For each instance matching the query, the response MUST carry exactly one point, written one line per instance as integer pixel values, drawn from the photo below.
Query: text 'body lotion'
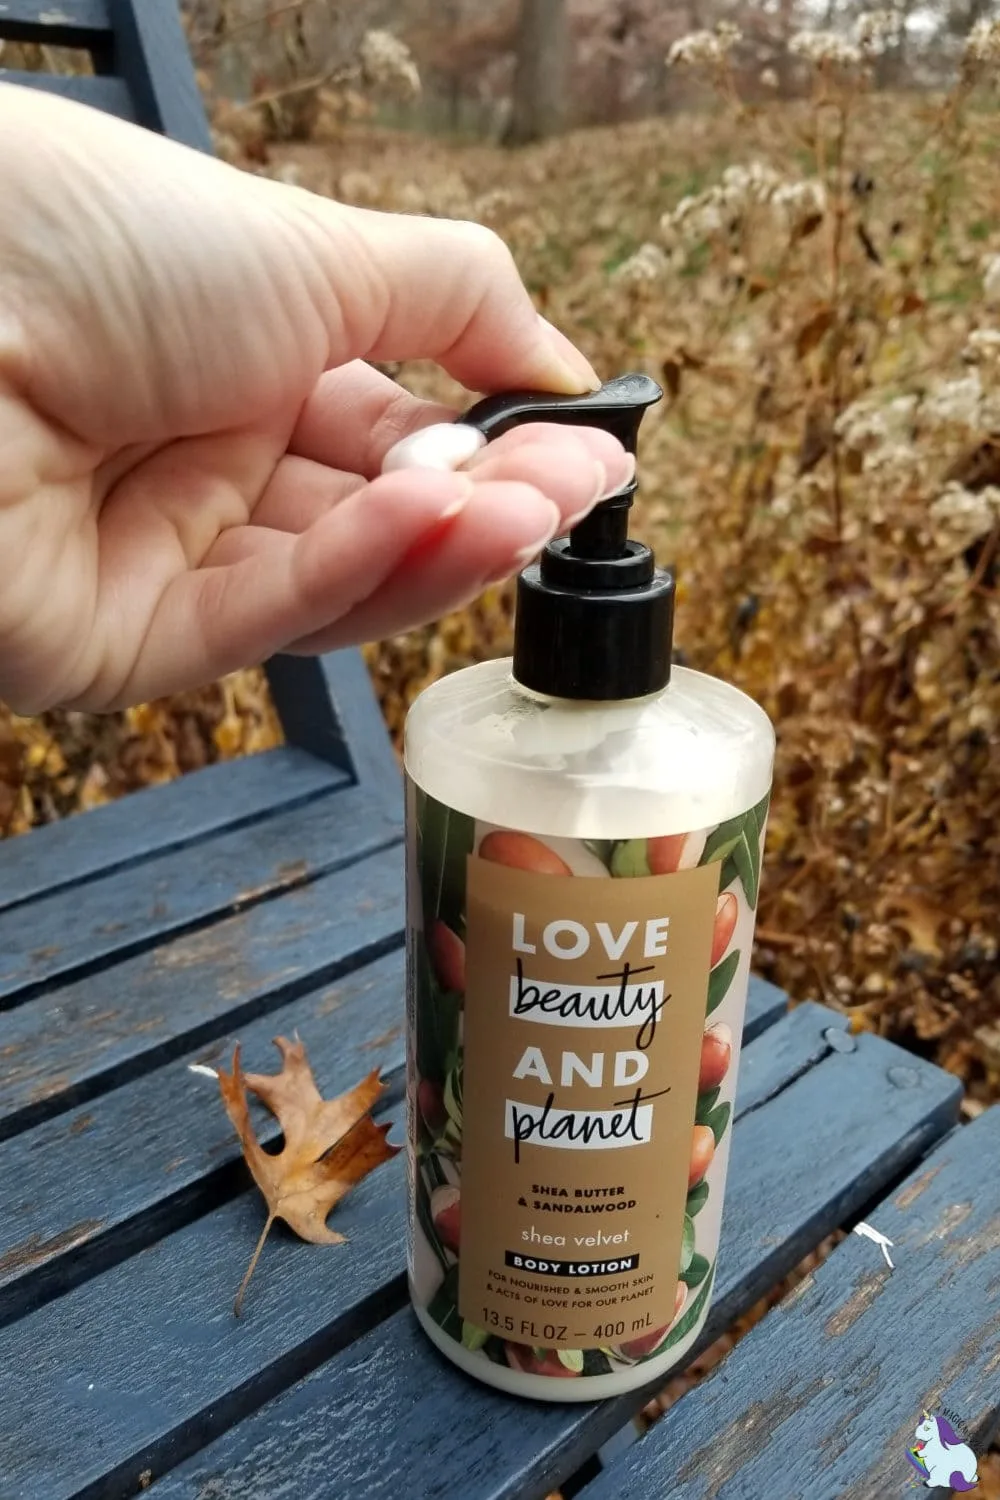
(584, 836)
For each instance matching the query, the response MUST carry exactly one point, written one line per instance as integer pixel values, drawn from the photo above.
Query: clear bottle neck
(582, 705)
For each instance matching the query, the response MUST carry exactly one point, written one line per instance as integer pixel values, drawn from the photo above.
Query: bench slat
(410, 1414)
(91, 1191)
(109, 94)
(67, 1045)
(60, 1049)
(190, 1371)
(173, 816)
(822, 1397)
(793, 1047)
(766, 1005)
(116, 916)
(55, 23)
(135, 1364)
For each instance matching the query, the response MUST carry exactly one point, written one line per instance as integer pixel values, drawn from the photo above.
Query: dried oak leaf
(330, 1144)
(920, 919)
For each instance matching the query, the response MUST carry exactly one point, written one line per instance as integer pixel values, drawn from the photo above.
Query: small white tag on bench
(879, 1239)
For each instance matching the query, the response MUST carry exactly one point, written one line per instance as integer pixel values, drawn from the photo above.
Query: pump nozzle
(618, 407)
(595, 615)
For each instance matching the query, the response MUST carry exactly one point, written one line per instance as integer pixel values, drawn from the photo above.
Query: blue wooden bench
(265, 897)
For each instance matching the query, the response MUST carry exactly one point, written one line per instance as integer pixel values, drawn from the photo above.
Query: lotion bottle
(584, 833)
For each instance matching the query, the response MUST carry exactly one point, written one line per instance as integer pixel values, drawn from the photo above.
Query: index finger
(355, 414)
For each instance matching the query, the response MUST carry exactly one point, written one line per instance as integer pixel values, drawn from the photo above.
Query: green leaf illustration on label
(719, 981)
(696, 1271)
(446, 840)
(688, 1320)
(737, 844)
(443, 1306)
(687, 1243)
(697, 1198)
(706, 1103)
(717, 1119)
(438, 1013)
(473, 1338)
(760, 811)
(572, 1359)
(746, 857)
(724, 839)
(630, 858)
(720, 846)
(426, 1222)
(453, 1097)
(601, 849)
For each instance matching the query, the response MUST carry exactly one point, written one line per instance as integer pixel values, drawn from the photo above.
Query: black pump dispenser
(594, 614)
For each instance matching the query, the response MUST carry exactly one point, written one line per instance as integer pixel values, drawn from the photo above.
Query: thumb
(440, 289)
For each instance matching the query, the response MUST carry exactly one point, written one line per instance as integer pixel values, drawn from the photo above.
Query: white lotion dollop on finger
(445, 445)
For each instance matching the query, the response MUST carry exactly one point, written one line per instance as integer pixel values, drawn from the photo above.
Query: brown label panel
(584, 1015)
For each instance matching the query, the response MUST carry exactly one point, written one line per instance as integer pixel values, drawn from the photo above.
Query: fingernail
(466, 489)
(575, 373)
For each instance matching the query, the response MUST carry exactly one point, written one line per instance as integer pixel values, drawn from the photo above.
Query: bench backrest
(143, 73)
(138, 52)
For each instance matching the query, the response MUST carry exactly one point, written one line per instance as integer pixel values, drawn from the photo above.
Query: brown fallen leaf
(920, 919)
(330, 1144)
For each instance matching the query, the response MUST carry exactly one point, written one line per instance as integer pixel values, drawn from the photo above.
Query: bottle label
(572, 1070)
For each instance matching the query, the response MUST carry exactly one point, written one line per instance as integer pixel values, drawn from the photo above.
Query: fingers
(300, 492)
(425, 288)
(259, 589)
(497, 532)
(355, 415)
(555, 471)
(556, 460)
(540, 452)
(404, 549)
(503, 526)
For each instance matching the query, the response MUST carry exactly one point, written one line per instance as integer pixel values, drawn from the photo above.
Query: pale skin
(191, 445)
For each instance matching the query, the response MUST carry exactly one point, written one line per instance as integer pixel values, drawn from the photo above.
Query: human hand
(191, 444)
